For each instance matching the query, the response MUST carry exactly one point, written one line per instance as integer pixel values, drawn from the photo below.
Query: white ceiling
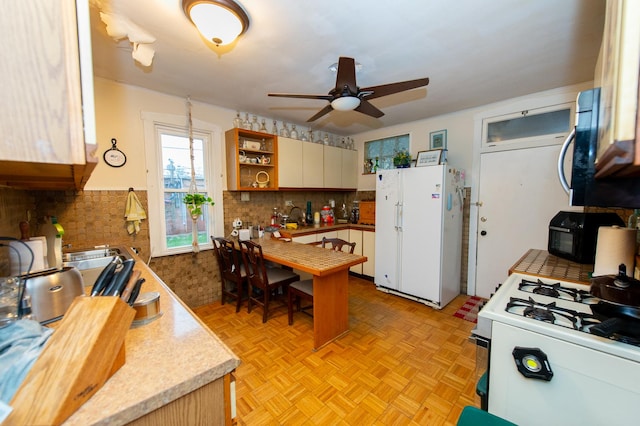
(473, 51)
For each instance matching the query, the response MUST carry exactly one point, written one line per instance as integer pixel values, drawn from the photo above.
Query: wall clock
(113, 156)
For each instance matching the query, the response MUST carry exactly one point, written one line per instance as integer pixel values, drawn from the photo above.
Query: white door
(519, 193)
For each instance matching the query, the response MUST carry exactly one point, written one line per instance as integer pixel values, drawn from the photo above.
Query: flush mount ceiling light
(219, 21)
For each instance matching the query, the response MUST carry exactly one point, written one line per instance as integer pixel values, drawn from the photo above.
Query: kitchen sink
(92, 261)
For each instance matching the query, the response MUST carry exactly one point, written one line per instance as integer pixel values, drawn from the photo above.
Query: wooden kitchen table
(330, 270)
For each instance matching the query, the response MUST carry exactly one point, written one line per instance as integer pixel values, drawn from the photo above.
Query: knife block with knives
(86, 349)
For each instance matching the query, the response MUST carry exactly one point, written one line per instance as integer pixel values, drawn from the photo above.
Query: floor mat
(469, 311)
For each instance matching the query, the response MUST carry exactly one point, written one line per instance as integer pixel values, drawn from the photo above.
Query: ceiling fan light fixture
(345, 103)
(219, 21)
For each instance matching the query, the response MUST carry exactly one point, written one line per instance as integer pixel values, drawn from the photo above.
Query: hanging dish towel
(134, 213)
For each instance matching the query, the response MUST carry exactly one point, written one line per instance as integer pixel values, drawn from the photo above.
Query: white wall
(118, 109)
(460, 134)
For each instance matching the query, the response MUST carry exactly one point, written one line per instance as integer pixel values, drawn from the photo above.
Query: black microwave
(573, 235)
(585, 189)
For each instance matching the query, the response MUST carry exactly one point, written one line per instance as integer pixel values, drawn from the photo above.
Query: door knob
(483, 233)
(483, 219)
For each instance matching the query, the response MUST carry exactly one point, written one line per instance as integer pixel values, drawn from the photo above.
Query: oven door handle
(563, 153)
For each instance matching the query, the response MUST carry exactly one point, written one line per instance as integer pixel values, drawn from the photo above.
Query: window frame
(213, 151)
(383, 141)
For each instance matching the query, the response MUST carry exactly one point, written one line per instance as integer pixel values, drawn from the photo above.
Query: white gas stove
(546, 365)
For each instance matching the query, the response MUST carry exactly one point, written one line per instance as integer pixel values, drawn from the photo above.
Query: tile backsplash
(93, 218)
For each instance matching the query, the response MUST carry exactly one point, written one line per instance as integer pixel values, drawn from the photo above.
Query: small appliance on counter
(573, 234)
(52, 292)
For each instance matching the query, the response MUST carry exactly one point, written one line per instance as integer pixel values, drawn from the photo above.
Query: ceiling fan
(347, 96)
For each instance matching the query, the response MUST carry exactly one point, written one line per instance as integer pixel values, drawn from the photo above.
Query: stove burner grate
(551, 313)
(557, 291)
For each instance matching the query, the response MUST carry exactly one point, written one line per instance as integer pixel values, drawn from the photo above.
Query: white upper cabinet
(309, 165)
(290, 170)
(312, 165)
(349, 169)
(332, 167)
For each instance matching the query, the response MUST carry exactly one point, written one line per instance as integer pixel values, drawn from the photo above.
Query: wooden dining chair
(265, 283)
(232, 271)
(304, 289)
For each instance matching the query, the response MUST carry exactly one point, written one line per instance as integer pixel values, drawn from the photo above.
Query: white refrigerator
(419, 233)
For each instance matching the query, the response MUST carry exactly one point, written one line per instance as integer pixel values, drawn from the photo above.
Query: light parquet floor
(402, 363)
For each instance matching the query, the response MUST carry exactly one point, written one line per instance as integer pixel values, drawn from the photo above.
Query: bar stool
(304, 289)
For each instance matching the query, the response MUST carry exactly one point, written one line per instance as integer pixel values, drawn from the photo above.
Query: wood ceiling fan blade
(391, 88)
(291, 95)
(323, 111)
(368, 109)
(346, 76)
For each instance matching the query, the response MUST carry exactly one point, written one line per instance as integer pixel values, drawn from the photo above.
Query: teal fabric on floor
(472, 416)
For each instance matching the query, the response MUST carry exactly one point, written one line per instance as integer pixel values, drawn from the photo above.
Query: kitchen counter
(314, 229)
(543, 264)
(176, 371)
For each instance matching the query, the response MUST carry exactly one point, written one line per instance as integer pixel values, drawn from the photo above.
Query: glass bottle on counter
(309, 215)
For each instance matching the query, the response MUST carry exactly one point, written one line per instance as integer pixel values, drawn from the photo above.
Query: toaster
(52, 292)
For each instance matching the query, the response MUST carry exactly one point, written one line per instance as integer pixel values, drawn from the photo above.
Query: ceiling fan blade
(288, 95)
(368, 109)
(323, 111)
(391, 88)
(346, 75)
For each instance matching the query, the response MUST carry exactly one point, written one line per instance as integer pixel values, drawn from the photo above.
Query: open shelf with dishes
(252, 160)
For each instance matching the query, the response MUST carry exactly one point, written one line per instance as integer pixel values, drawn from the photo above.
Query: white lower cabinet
(356, 236)
(365, 246)
(369, 250)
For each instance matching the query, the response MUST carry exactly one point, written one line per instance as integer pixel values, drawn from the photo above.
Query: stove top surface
(554, 308)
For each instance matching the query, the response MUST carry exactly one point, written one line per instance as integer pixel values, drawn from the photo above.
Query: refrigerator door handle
(398, 221)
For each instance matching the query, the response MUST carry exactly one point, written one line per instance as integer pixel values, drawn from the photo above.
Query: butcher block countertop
(541, 263)
(166, 359)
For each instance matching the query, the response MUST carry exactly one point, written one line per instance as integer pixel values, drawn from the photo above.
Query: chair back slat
(337, 244)
(254, 262)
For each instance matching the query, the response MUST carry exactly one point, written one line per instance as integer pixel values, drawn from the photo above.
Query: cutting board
(367, 213)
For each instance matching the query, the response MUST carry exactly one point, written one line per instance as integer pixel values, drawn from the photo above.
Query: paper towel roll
(615, 246)
(20, 264)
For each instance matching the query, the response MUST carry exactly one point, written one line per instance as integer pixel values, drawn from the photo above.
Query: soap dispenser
(53, 232)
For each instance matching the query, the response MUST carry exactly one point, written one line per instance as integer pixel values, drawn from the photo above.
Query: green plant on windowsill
(194, 203)
(402, 159)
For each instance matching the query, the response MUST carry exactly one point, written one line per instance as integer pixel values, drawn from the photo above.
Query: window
(169, 180)
(384, 150)
(527, 129)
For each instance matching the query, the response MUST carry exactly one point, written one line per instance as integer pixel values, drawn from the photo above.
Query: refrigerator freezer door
(387, 272)
(423, 194)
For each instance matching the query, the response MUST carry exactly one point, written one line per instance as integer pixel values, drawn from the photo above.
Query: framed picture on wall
(429, 158)
(438, 139)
